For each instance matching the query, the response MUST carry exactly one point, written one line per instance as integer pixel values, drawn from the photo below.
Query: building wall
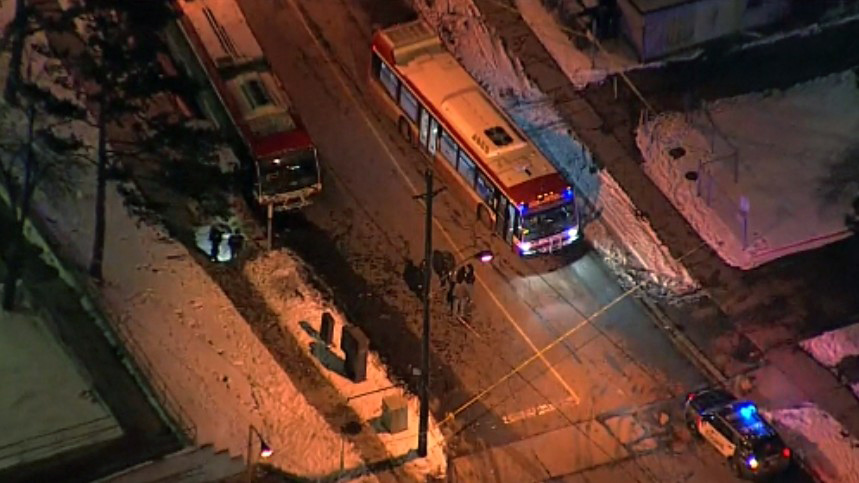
(662, 32)
(632, 25)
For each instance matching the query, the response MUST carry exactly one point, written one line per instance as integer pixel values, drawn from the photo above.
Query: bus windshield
(290, 172)
(552, 221)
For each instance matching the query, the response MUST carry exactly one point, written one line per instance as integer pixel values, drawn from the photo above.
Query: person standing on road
(459, 292)
(470, 278)
(215, 237)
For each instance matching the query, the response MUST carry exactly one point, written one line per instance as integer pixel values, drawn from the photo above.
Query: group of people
(235, 241)
(460, 289)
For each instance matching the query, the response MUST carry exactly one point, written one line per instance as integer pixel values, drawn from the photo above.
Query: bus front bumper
(549, 244)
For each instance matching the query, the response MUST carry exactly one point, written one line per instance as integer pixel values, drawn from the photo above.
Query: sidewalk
(783, 374)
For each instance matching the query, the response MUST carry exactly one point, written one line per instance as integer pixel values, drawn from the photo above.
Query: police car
(737, 431)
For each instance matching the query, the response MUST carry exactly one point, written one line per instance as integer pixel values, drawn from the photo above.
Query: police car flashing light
(738, 431)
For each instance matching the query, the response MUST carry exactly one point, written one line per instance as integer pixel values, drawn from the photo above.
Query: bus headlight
(573, 232)
(525, 247)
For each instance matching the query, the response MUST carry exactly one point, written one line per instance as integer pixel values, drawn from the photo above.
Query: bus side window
(448, 148)
(486, 190)
(388, 78)
(409, 104)
(466, 168)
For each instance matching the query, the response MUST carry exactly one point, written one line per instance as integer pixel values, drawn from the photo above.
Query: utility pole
(423, 421)
(483, 256)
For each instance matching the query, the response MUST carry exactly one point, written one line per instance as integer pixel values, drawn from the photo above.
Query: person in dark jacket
(215, 237)
(235, 242)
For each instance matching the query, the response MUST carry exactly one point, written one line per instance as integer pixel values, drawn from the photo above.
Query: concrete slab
(46, 405)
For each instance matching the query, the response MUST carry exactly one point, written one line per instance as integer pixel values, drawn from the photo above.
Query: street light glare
(485, 256)
(265, 450)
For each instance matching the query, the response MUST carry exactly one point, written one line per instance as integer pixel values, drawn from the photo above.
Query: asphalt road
(589, 406)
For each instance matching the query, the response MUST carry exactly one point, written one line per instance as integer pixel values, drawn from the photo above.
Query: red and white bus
(285, 167)
(439, 107)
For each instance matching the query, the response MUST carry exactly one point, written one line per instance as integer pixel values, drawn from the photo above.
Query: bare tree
(114, 59)
(38, 150)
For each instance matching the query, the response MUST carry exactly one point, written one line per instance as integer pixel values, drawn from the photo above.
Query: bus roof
(463, 107)
(234, 60)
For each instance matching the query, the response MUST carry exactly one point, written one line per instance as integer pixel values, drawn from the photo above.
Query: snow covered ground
(829, 452)
(643, 258)
(46, 405)
(213, 365)
(280, 278)
(833, 349)
(788, 155)
(582, 68)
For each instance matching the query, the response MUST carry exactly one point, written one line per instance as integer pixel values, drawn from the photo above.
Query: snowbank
(580, 67)
(827, 450)
(832, 348)
(643, 258)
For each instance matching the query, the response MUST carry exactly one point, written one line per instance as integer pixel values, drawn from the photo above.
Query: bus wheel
(405, 129)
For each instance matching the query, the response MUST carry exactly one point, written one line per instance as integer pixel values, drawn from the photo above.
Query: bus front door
(428, 132)
(505, 213)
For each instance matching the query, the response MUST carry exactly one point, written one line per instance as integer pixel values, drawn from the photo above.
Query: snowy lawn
(788, 156)
(281, 280)
(46, 406)
(829, 452)
(838, 350)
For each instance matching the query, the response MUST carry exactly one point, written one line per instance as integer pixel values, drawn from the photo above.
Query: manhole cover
(351, 428)
(677, 152)
(691, 175)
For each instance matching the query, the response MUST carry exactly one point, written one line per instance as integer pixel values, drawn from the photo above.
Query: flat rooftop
(47, 405)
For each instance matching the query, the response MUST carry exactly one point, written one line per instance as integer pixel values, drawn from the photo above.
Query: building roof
(650, 6)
